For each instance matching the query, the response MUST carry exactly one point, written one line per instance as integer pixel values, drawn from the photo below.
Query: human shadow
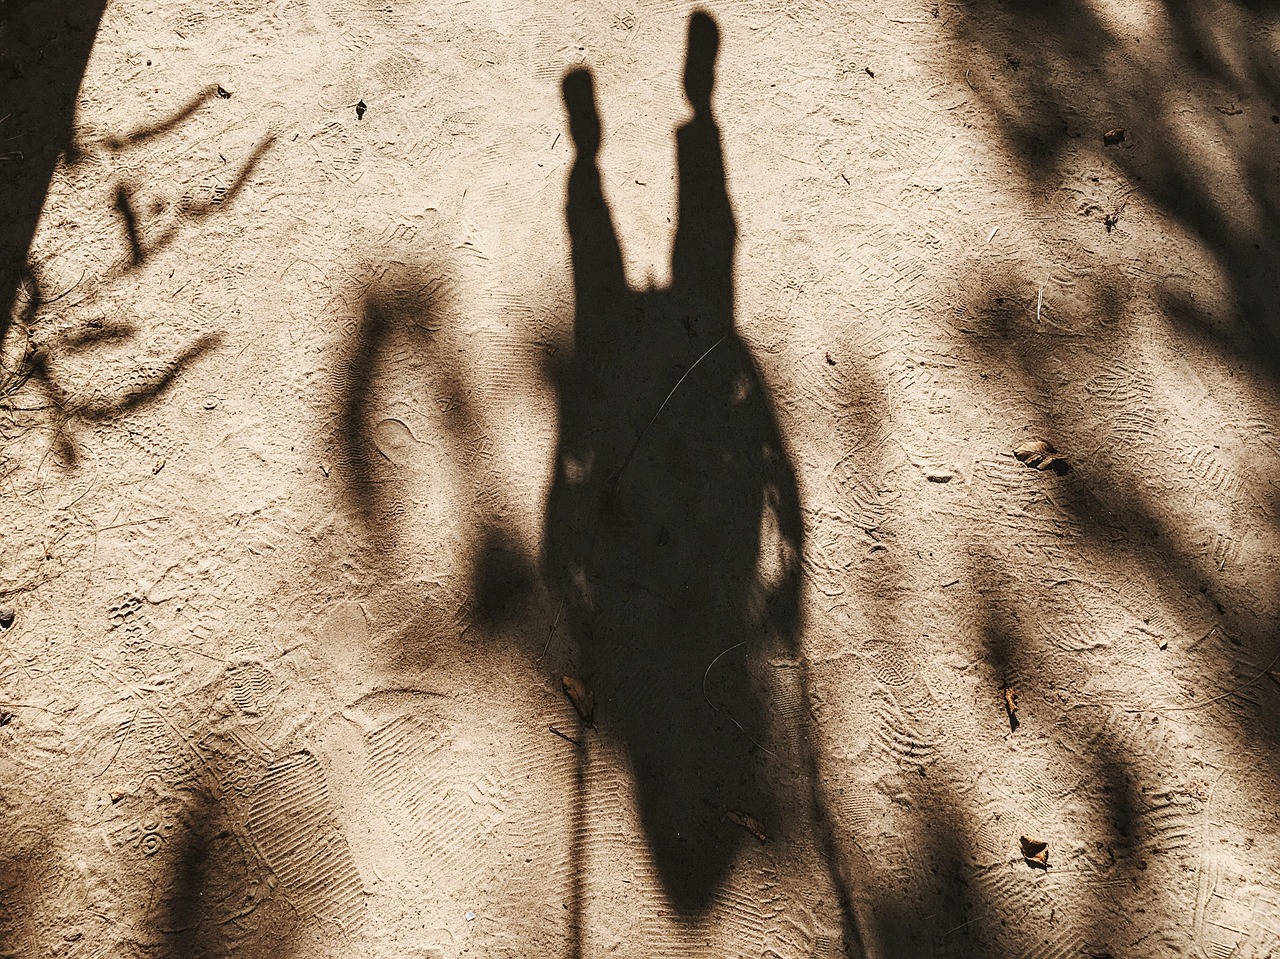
(673, 528)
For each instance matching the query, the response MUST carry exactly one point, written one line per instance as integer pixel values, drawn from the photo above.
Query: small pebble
(6, 616)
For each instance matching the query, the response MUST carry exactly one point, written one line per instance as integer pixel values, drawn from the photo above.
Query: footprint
(394, 441)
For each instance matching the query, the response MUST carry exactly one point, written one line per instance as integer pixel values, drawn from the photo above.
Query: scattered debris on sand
(750, 823)
(1035, 852)
(1039, 454)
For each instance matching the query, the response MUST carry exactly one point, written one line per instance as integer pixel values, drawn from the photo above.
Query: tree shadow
(1176, 112)
(33, 339)
(44, 48)
(204, 904)
(673, 532)
(1194, 100)
(403, 333)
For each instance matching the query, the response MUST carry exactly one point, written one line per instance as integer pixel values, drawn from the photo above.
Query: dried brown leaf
(750, 823)
(1112, 137)
(583, 699)
(1038, 453)
(1035, 851)
(1011, 701)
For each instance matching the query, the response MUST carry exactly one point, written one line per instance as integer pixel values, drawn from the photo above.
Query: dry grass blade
(750, 823)
(583, 699)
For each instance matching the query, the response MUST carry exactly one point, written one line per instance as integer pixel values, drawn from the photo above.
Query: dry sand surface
(370, 366)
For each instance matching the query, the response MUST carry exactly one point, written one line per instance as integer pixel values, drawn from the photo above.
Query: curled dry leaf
(1039, 454)
(1011, 703)
(750, 823)
(1112, 137)
(1035, 852)
(583, 699)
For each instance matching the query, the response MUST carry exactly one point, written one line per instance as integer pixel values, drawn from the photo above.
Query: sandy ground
(351, 400)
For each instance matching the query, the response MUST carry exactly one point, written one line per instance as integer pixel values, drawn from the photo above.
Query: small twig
(188, 649)
(136, 522)
(1208, 702)
(1039, 300)
(1212, 629)
(340, 106)
(55, 299)
(552, 631)
(961, 926)
(617, 477)
(727, 714)
(120, 744)
(565, 736)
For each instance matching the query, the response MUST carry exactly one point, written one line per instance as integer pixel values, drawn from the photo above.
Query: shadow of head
(700, 60)
(579, 91)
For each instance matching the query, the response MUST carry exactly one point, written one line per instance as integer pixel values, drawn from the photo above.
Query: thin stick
(552, 632)
(961, 926)
(564, 736)
(136, 522)
(123, 737)
(55, 299)
(1209, 702)
(636, 445)
(188, 649)
(728, 715)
